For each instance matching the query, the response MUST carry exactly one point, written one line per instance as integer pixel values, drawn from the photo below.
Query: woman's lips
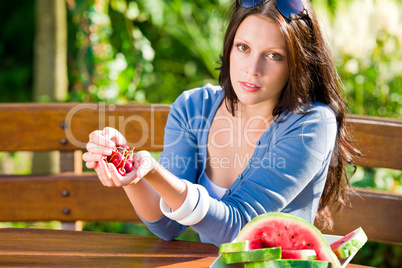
(249, 87)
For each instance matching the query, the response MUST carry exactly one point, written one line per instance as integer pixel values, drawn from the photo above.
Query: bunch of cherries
(121, 158)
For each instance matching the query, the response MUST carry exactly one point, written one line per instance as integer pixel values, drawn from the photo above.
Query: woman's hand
(100, 144)
(144, 164)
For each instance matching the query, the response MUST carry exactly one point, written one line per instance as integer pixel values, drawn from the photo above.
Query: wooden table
(57, 248)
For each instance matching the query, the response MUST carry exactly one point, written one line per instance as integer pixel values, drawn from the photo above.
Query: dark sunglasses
(290, 9)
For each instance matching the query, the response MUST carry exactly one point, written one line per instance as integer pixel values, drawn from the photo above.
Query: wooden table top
(21, 247)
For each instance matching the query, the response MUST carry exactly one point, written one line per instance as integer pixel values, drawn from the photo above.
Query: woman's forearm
(172, 189)
(144, 200)
(145, 194)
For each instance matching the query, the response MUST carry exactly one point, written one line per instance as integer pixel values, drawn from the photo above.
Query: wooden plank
(66, 126)
(67, 197)
(378, 139)
(55, 248)
(379, 213)
(70, 242)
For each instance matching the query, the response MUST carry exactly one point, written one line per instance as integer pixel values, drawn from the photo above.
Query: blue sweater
(287, 171)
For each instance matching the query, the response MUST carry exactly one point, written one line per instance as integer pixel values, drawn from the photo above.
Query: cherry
(112, 155)
(121, 171)
(128, 166)
(117, 160)
(121, 157)
(124, 149)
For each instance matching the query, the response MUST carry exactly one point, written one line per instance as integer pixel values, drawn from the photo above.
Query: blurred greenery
(149, 51)
(134, 229)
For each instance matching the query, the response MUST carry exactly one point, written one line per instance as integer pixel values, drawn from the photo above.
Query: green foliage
(379, 255)
(365, 37)
(41, 225)
(133, 229)
(142, 51)
(378, 178)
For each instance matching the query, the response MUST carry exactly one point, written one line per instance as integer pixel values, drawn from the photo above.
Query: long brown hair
(313, 77)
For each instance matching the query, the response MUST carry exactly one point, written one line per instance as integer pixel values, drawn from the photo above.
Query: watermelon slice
(239, 246)
(283, 230)
(262, 254)
(288, 264)
(299, 254)
(349, 244)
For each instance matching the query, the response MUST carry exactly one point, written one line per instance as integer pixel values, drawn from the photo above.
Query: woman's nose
(254, 66)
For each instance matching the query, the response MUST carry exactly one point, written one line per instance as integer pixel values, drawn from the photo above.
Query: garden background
(149, 51)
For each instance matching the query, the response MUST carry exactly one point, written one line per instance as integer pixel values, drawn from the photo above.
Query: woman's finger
(129, 178)
(91, 164)
(113, 135)
(90, 157)
(97, 137)
(115, 176)
(104, 175)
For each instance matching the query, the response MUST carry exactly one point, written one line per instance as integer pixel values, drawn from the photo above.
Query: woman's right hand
(101, 143)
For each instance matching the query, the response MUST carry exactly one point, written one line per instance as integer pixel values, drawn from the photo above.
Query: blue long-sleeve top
(286, 173)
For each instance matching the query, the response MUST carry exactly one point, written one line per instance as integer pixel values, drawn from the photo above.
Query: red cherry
(124, 149)
(121, 171)
(128, 166)
(117, 160)
(112, 155)
(122, 158)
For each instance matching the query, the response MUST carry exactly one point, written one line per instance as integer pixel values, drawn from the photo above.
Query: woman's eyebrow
(240, 39)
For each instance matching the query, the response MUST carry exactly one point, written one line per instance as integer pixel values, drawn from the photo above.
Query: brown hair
(312, 77)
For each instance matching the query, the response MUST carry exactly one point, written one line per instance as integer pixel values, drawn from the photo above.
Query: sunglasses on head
(290, 9)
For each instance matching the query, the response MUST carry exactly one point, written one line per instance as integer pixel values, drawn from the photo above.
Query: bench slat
(66, 126)
(379, 139)
(67, 197)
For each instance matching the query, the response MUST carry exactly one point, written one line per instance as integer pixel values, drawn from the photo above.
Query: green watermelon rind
(234, 247)
(288, 264)
(255, 255)
(351, 246)
(325, 249)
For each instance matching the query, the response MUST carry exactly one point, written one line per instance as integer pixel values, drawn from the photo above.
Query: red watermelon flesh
(289, 232)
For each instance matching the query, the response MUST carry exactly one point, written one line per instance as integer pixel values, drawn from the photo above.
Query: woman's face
(258, 62)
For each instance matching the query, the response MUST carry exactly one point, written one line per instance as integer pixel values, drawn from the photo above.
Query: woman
(271, 137)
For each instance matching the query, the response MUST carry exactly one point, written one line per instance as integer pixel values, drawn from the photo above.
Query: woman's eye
(274, 56)
(242, 48)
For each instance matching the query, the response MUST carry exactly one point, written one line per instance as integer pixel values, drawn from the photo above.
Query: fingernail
(107, 152)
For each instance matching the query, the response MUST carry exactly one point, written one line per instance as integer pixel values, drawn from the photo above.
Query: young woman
(270, 138)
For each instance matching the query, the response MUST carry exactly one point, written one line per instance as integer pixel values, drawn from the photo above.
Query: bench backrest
(73, 195)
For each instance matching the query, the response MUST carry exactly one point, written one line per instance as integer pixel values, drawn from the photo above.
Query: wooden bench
(74, 195)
